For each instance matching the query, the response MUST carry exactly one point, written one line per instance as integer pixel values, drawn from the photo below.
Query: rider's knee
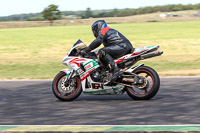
(102, 53)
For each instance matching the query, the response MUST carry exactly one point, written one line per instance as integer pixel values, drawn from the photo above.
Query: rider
(115, 46)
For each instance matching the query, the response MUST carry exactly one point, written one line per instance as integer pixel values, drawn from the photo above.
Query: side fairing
(82, 66)
(137, 52)
(89, 67)
(144, 49)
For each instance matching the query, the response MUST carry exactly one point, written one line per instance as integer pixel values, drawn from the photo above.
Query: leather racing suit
(115, 44)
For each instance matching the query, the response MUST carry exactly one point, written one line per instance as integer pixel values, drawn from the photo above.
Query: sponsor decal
(80, 71)
(86, 74)
(88, 66)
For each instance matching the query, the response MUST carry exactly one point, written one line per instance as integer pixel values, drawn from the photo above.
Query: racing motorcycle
(88, 74)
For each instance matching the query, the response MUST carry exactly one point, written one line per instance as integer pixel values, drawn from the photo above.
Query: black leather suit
(115, 44)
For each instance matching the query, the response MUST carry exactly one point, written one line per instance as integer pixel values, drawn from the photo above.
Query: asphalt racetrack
(33, 103)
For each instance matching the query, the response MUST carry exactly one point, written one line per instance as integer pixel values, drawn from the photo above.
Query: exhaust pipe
(151, 54)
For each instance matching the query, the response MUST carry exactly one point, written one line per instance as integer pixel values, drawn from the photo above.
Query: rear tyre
(148, 88)
(66, 92)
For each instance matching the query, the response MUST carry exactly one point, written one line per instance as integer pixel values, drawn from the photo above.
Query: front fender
(67, 71)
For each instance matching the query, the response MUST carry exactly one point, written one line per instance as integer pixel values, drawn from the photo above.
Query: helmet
(97, 26)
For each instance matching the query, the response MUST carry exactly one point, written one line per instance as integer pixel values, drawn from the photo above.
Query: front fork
(69, 74)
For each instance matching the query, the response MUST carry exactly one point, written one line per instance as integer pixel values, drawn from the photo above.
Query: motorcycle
(88, 74)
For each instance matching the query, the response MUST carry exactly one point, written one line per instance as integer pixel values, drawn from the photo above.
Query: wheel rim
(68, 91)
(145, 88)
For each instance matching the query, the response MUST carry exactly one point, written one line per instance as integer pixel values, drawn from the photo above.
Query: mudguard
(134, 68)
(68, 71)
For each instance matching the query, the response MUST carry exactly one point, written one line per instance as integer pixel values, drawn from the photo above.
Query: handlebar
(79, 53)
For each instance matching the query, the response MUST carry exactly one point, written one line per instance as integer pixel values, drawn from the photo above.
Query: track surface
(32, 103)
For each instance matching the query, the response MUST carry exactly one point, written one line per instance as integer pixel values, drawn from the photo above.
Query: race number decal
(97, 86)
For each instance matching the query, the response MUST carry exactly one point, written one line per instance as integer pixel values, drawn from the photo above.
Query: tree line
(88, 13)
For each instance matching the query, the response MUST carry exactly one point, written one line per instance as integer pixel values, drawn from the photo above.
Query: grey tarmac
(33, 103)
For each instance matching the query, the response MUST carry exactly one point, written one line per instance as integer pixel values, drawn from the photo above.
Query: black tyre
(148, 88)
(67, 92)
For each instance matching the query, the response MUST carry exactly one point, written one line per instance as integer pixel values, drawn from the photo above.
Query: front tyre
(66, 91)
(149, 87)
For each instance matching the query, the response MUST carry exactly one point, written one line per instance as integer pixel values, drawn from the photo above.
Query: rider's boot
(115, 70)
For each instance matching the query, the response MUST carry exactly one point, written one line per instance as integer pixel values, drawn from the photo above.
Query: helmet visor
(95, 30)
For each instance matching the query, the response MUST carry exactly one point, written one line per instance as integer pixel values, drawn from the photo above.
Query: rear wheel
(148, 87)
(66, 91)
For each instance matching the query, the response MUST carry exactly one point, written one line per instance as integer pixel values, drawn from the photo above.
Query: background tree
(115, 12)
(51, 13)
(87, 13)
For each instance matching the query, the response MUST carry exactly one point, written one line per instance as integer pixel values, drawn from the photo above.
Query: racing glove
(85, 51)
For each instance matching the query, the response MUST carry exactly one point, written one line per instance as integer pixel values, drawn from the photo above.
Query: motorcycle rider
(115, 46)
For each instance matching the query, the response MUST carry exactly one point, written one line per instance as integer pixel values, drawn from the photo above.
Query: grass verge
(37, 53)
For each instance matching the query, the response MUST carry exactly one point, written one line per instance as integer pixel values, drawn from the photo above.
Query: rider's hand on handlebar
(85, 52)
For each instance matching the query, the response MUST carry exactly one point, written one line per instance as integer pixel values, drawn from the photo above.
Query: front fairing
(83, 66)
(73, 51)
(74, 61)
(96, 51)
(77, 46)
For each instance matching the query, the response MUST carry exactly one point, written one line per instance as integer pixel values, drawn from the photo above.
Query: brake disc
(68, 88)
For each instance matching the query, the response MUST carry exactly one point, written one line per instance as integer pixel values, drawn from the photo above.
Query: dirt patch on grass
(151, 17)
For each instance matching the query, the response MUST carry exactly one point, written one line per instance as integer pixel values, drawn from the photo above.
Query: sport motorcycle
(88, 74)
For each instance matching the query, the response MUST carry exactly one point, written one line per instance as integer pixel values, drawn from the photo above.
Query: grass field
(38, 52)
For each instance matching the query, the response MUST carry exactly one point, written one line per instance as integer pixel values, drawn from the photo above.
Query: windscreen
(79, 45)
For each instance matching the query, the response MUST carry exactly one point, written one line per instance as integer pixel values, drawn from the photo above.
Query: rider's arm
(96, 43)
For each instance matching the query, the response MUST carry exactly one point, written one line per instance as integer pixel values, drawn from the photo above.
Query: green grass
(38, 52)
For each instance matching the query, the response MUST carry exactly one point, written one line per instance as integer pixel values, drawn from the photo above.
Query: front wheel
(66, 91)
(148, 88)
